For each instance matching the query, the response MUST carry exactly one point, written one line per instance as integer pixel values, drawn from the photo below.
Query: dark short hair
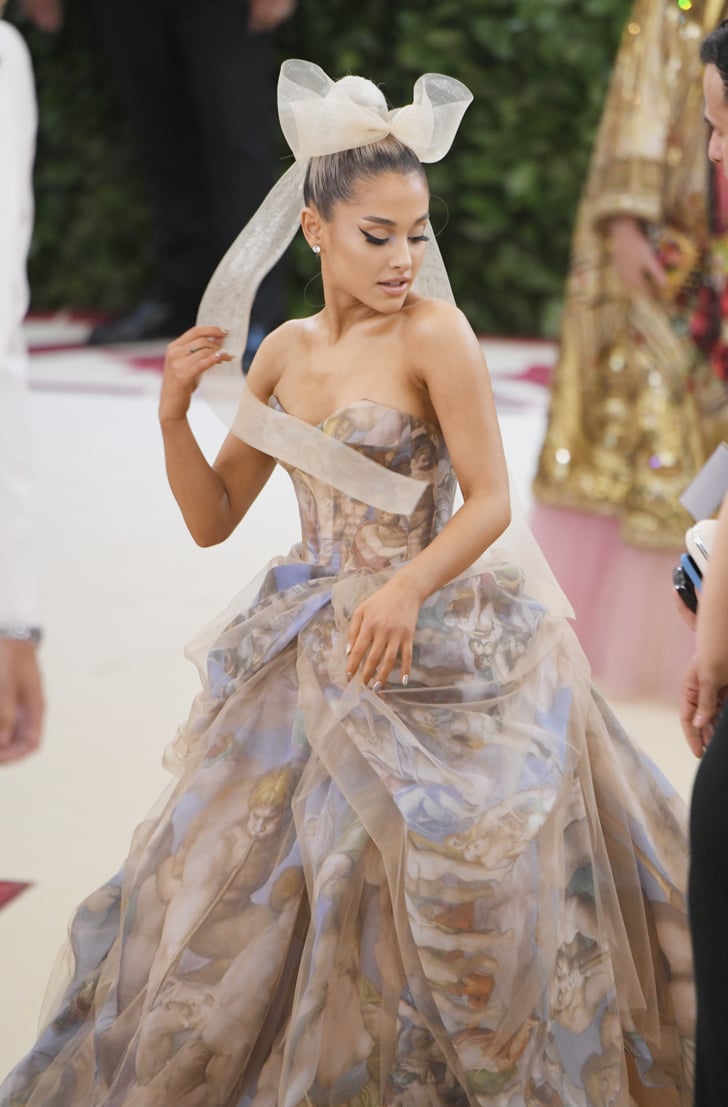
(714, 51)
(332, 178)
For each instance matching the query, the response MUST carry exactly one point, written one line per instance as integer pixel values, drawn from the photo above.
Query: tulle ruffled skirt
(469, 890)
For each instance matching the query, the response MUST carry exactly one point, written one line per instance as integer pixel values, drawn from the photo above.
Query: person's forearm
(712, 619)
(471, 530)
(197, 488)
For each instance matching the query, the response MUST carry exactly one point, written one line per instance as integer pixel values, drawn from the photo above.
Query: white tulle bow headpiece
(319, 116)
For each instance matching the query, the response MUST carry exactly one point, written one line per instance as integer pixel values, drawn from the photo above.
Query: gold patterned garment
(467, 891)
(635, 408)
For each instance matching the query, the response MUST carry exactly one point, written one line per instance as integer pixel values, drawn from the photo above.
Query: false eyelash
(382, 241)
(373, 239)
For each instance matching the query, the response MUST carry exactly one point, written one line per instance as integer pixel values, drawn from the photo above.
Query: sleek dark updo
(332, 178)
(714, 51)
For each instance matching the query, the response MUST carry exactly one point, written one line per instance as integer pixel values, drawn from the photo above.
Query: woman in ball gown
(410, 858)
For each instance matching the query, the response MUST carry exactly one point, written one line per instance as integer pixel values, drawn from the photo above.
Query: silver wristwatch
(17, 632)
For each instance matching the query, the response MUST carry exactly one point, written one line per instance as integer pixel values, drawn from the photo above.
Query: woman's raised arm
(212, 498)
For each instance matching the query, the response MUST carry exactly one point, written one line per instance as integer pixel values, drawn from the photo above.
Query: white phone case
(699, 539)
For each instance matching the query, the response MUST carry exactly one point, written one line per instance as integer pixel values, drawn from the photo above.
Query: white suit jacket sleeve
(18, 119)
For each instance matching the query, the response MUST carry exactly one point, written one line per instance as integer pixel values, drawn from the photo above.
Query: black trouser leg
(200, 95)
(708, 896)
(231, 83)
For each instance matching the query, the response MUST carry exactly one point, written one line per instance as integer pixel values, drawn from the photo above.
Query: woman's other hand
(633, 257)
(382, 631)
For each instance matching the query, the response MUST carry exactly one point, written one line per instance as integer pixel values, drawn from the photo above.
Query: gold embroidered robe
(635, 409)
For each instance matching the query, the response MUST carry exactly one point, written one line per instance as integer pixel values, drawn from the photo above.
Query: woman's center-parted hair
(333, 178)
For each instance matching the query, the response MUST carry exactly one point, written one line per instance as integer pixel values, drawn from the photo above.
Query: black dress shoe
(151, 319)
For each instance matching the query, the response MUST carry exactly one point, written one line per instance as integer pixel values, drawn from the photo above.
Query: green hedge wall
(505, 196)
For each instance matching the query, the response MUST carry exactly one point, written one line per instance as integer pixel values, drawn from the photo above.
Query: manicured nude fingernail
(405, 680)
(348, 648)
(349, 676)
(376, 687)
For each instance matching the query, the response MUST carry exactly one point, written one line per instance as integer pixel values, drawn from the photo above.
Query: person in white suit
(21, 695)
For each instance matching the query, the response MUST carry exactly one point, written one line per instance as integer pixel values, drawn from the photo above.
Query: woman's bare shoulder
(433, 326)
(290, 333)
(274, 354)
(424, 315)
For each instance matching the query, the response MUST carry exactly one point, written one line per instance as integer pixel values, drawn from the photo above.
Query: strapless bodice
(346, 533)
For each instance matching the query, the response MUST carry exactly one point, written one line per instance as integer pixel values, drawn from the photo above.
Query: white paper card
(705, 493)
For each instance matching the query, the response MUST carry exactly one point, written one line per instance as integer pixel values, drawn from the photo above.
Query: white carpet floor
(123, 588)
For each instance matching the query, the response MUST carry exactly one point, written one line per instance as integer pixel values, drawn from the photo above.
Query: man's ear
(311, 225)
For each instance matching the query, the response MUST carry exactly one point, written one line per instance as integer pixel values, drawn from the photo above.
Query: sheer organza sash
(302, 446)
